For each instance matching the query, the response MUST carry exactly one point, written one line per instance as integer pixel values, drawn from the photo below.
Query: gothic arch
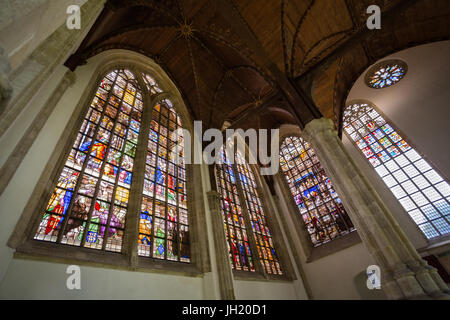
(95, 70)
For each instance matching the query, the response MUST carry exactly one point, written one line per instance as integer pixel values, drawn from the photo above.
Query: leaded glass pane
(420, 189)
(164, 227)
(89, 203)
(240, 254)
(261, 231)
(321, 209)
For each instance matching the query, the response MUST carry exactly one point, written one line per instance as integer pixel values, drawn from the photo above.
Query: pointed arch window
(258, 220)
(246, 235)
(94, 191)
(238, 244)
(420, 189)
(164, 227)
(318, 203)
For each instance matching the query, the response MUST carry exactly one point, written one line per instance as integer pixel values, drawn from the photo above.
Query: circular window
(386, 74)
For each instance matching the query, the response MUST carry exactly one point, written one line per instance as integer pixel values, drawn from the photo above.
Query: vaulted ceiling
(263, 63)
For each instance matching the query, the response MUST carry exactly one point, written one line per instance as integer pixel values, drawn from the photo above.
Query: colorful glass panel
(420, 189)
(89, 203)
(318, 203)
(164, 227)
(238, 246)
(261, 232)
(386, 75)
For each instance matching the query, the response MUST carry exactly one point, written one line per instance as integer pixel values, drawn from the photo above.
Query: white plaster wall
(419, 104)
(28, 279)
(20, 188)
(24, 34)
(333, 276)
(257, 290)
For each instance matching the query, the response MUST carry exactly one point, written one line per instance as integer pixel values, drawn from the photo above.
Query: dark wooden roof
(256, 63)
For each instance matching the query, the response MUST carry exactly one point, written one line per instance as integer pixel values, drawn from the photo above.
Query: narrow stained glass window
(422, 191)
(321, 208)
(264, 243)
(164, 227)
(89, 203)
(238, 245)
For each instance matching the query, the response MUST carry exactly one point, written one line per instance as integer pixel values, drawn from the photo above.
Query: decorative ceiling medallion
(186, 30)
(386, 74)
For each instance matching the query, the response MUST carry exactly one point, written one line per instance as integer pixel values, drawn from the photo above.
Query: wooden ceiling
(263, 63)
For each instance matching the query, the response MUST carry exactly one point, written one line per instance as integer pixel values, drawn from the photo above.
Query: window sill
(253, 276)
(334, 246)
(64, 254)
(436, 246)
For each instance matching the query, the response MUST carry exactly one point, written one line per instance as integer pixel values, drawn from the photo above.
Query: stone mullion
(406, 273)
(248, 225)
(131, 234)
(224, 270)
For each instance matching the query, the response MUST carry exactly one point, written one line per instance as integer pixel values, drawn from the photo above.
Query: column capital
(69, 78)
(318, 126)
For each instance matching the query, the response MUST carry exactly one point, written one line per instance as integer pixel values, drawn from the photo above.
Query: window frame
(311, 253)
(260, 274)
(431, 241)
(22, 238)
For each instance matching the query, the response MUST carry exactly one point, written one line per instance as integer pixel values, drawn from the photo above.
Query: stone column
(6, 89)
(15, 159)
(225, 273)
(404, 274)
(30, 76)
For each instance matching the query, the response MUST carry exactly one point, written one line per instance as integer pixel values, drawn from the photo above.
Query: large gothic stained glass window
(321, 208)
(422, 191)
(241, 254)
(164, 227)
(89, 203)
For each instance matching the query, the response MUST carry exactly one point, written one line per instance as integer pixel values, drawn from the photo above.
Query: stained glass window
(89, 203)
(152, 85)
(420, 189)
(263, 237)
(386, 74)
(238, 244)
(318, 203)
(230, 178)
(164, 227)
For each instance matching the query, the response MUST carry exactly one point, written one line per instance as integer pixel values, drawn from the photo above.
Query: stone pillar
(6, 89)
(404, 274)
(225, 273)
(15, 159)
(31, 75)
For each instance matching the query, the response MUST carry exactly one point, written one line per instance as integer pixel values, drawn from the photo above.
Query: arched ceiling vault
(263, 63)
